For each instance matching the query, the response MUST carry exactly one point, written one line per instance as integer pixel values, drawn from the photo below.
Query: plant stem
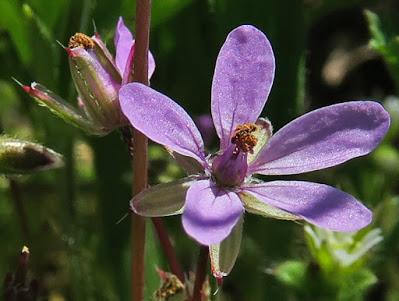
(15, 192)
(200, 273)
(168, 248)
(140, 160)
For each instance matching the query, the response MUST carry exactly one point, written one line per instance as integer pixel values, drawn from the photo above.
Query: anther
(80, 40)
(244, 139)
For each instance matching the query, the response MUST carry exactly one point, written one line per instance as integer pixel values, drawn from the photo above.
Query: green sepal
(162, 199)
(63, 109)
(224, 255)
(189, 165)
(256, 206)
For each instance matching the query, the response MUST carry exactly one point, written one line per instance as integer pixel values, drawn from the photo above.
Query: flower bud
(96, 80)
(22, 157)
(61, 108)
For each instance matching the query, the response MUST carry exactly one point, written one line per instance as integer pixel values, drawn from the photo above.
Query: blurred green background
(327, 51)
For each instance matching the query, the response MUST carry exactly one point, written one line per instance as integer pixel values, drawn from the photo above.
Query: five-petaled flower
(97, 77)
(213, 200)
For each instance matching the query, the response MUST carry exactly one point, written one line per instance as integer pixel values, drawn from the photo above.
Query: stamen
(80, 40)
(243, 138)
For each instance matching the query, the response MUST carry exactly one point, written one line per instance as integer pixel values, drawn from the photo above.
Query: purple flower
(213, 200)
(97, 77)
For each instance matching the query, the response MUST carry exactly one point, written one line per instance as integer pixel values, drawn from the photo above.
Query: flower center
(80, 40)
(244, 139)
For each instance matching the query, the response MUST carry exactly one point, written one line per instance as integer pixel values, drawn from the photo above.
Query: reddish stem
(200, 273)
(140, 160)
(168, 248)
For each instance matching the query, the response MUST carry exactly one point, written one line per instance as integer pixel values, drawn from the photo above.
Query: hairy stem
(140, 160)
(200, 273)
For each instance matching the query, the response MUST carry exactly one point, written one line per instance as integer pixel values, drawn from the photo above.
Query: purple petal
(162, 120)
(206, 128)
(324, 138)
(210, 213)
(319, 204)
(124, 44)
(243, 78)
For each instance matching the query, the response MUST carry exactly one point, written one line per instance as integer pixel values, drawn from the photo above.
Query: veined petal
(321, 205)
(242, 81)
(210, 213)
(324, 138)
(123, 41)
(162, 199)
(162, 120)
(124, 44)
(224, 255)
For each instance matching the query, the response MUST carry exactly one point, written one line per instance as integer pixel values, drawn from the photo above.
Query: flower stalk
(200, 273)
(140, 154)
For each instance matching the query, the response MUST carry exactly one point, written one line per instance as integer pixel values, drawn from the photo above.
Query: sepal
(255, 206)
(162, 199)
(62, 109)
(224, 255)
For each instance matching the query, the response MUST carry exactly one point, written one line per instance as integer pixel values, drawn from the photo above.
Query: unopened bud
(22, 157)
(96, 79)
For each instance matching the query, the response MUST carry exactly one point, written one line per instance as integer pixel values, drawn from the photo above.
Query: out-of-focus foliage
(71, 218)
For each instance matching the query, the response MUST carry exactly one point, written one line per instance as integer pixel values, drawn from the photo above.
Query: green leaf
(378, 38)
(354, 287)
(12, 20)
(292, 273)
(224, 255)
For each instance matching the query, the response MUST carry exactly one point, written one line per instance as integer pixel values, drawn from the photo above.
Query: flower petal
(162, 120)
(123, 41)
(210, 213)
(224, 255)
(243, 78)
(123, 45)
(324, 138)
(162, 199)
(319, 204)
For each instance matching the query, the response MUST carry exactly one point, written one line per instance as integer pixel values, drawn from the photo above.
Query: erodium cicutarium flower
(97, 76)
(213, 200)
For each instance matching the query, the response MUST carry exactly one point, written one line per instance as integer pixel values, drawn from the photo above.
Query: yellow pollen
(80, 40)
(244, 139)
